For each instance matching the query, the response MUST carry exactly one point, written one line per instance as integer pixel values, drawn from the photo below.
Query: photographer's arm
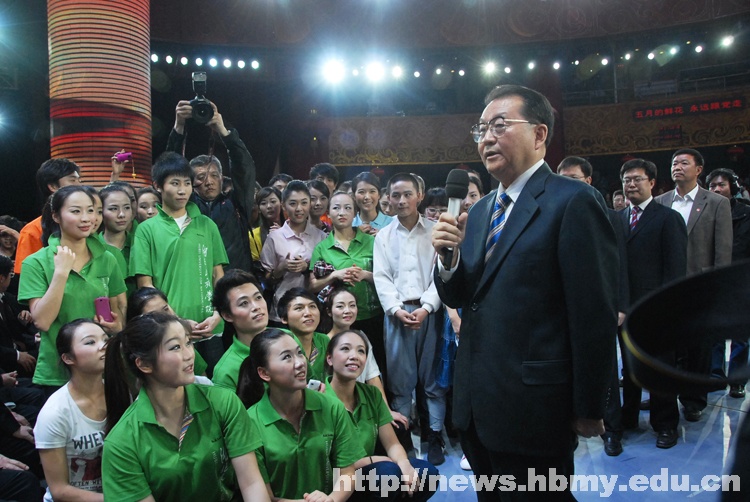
(183, 111)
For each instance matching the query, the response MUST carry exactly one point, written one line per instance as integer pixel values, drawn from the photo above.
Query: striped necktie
(496, 224)
(634, 217)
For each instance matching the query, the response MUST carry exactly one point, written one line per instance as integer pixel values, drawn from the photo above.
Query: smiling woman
(208, 425)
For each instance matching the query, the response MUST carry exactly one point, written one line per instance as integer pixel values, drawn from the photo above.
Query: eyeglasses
(435, 211)
(496, 127)
(637, 180)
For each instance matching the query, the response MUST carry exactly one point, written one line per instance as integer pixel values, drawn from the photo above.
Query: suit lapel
(644, 219)
(523, 211)
(699, 205)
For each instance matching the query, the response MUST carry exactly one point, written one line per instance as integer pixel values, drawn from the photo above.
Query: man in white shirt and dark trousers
(402, 268)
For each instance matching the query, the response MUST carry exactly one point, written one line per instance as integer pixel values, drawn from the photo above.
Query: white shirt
(514, 192)
(402, 266)
(684, 205)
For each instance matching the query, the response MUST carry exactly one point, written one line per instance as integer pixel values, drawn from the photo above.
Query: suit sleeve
(674, 246)
(623, 296)
(589, 268)
(723, 233)
(175, 142)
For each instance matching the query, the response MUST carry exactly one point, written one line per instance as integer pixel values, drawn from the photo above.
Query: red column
(99, 85)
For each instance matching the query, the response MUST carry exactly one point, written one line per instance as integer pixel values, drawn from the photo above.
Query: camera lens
(203, 112)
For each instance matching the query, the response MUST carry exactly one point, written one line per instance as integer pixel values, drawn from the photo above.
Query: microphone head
(457, 184)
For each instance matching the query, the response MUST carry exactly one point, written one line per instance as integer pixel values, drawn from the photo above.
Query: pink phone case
(103, 309)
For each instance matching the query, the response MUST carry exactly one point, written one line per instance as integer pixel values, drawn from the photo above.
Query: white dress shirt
(684, 205)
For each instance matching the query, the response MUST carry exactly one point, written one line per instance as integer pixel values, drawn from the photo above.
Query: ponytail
(250, 387)
(117, 393)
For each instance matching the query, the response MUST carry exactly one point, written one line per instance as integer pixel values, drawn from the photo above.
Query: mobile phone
(313, 384)
(103, 308)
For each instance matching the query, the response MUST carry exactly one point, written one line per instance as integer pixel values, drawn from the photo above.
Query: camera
(203, 112)
(123, 157)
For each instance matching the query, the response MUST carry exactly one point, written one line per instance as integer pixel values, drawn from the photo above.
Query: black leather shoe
(737, 391)
(645, 404)
(692, 415)
(612, 446)
(666, 439)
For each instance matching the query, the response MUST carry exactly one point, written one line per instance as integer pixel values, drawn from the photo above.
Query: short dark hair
(294, 186)
(282, 309)
(140, 297)
(365, 177)
(170, 164)
(6, 265)
(648, 167)
(51, 171)
(11, 222)
(232, 278)
(584, 164)
(325, 169)
(280, 177)
(435, 197)
(319, 186)
(144, 190)
(618, 192)
(689, 151)
(403, 177)
(727, 174)
(478, 182)
(536, 107)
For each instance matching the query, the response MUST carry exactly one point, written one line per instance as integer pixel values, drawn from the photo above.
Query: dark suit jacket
(656, 249)
(709, 230)
(538, 321)
(623, 288)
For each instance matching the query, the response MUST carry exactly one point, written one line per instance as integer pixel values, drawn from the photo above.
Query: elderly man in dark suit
(708, 217)
(535, 271)
(656, 247)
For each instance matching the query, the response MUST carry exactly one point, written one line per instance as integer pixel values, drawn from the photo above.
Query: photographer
(230, 212)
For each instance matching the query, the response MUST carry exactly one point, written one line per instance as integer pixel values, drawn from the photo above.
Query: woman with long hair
(117, 213)
(178, 440)
(268, 200)
(65, 280)
(305, 434)
(69, 431)
(366, 190)
(346, 356)
(348, 250)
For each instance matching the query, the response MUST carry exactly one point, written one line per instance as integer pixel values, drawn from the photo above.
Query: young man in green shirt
(239, 299)
(299, 310)
(181, 252)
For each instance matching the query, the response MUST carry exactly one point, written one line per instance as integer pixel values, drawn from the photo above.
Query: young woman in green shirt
(178, 440)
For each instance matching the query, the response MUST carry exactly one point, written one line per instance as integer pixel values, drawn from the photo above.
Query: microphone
(456, 188)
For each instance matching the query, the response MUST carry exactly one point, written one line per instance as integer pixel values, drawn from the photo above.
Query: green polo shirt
(180, 264)
(359, 253)
(141, 458)
(370, 414)
(227, 370)
(317, 368)
(122, 256)
(99, 277)
(295, 464)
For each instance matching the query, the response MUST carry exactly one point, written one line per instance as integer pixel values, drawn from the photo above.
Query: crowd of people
(210, 338)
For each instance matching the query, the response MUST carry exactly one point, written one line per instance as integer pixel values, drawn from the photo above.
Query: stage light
(213, 62)
(627, 56)
(168, 59)
(699, 48)
(154, 58)
(355, 72)
(254, 64)
(240, 64)
(727, 41)
(461, 73)
(333, 71)
(438, 70)
(397, 72)
(507, 69)
(198, 62)
(184, 61)
(605, 61)
(576, 62)
(651, 55)
(490, 68)
(417, 74)
(227, 63)
(556, 65)
(375, 72)
(531, 65)
(673, 51)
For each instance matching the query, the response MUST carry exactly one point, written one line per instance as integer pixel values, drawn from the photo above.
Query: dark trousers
(664, 413)
(488, 463)
(20, 486)
(738, 357)
(613, 408)
(696, 360)
(373, 328)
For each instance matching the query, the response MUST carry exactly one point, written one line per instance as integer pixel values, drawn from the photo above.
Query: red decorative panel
(100, 89)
